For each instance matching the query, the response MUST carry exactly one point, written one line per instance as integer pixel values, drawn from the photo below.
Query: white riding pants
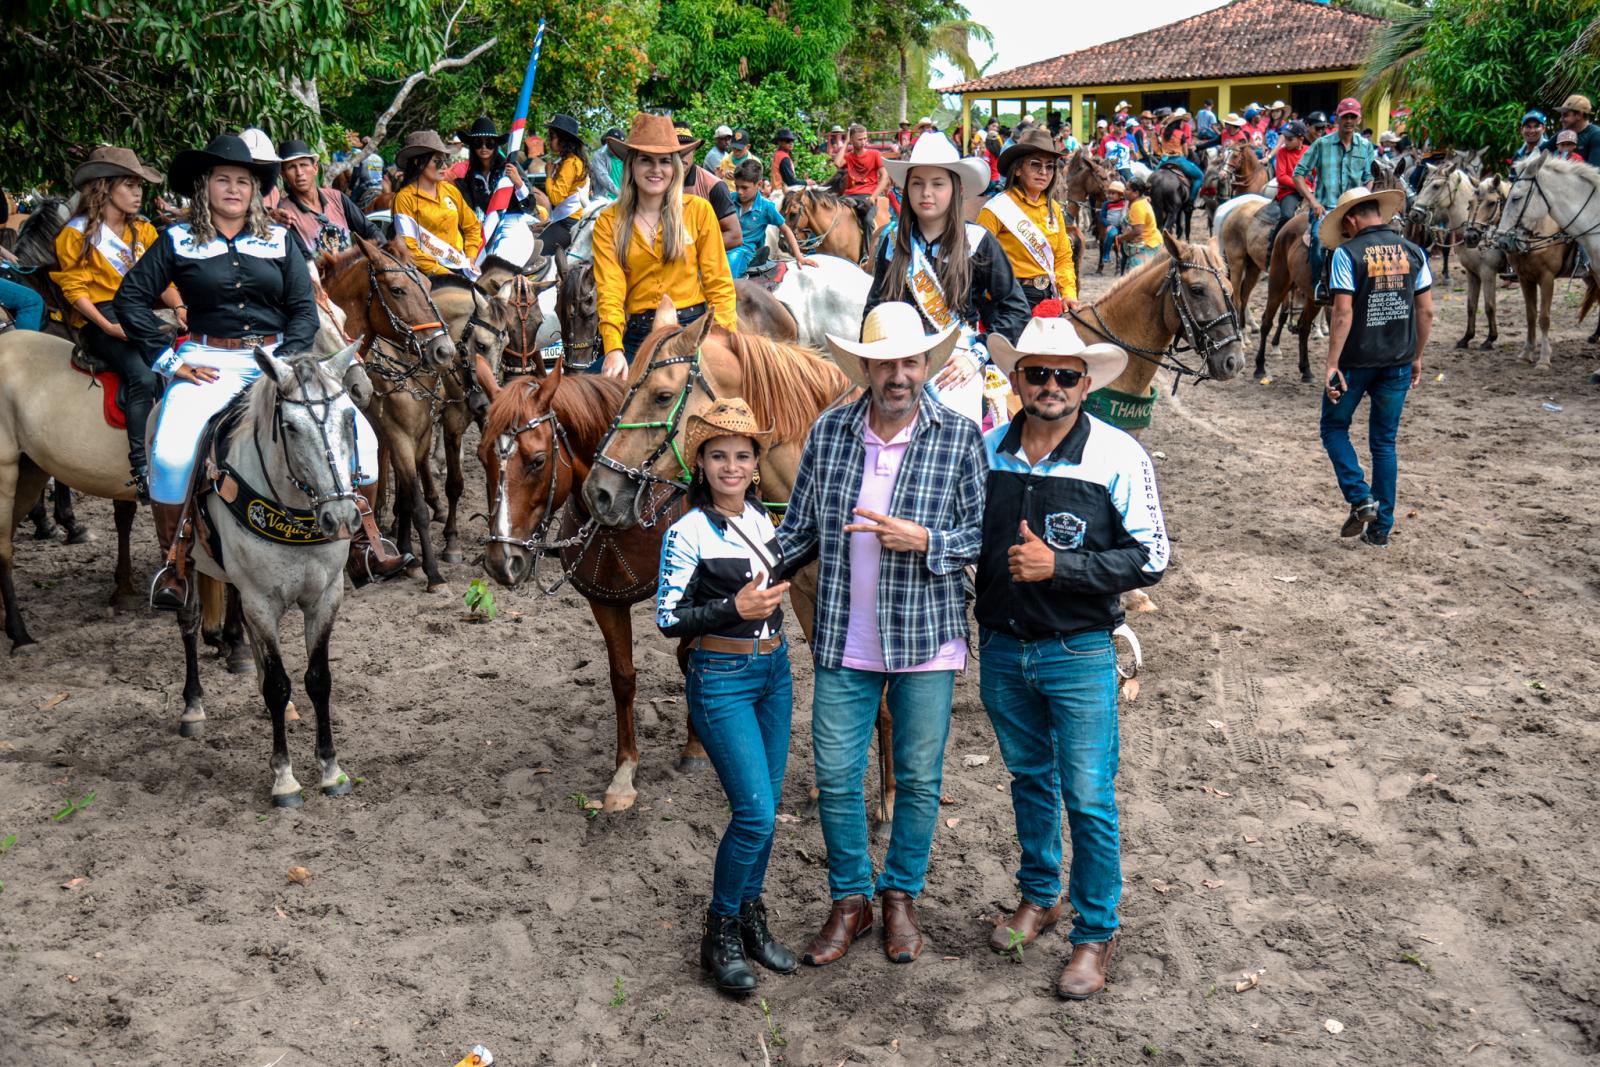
(187, 407)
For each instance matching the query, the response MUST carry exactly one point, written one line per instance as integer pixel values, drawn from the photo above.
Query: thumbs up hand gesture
(1032, 560)
(754, 602)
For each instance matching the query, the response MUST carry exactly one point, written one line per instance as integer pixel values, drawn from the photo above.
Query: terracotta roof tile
(1246, 38)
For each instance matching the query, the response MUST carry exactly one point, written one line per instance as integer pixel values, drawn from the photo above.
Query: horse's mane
(333, 264)
(786, 385)
(257, 403)
(1571, 167)
(36, 237)
(584, 403)
(822, 197)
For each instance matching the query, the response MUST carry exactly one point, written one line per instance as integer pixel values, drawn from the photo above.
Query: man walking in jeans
(889, 499)
(1071, 522)
(1382, 314)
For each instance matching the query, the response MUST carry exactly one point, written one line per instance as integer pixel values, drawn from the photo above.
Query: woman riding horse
(1030, 226)
(486, 163)
(432, 214)
(566, 182)
(245, 283)
(955, 272)
(95, 250)
(655, 242)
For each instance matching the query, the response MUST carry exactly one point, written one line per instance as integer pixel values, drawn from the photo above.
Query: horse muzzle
(440, 350)
(507, 564)
(609, 497)
(338, 520)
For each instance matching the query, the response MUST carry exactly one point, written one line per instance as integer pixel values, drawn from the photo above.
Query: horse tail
(213, 604)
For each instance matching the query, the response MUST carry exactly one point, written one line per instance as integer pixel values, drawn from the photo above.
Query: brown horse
(578, 309)
(826, 223)
(1289, 278)
(407, 349)
(1081, 185)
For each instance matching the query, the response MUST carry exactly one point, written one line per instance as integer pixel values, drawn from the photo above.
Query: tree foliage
(889, 60)
(697, 41)
(158, 76)
(761, 110)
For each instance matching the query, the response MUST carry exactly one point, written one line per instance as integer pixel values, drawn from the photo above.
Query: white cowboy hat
(934, 149)
(893, 330)
(260, 145)
(1057, 337)
(1390, 202)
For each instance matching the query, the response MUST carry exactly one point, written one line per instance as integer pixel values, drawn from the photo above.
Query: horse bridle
(415, 335)
(1521, 239)
(325, 403)
(1473, 232)
(1190, 328)
(814, 242)
(560, 453)
(569, 348)
(524, 301)
(643, 476)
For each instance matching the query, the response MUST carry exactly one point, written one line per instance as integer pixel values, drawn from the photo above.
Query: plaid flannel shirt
(1337, 168)
(921, 599)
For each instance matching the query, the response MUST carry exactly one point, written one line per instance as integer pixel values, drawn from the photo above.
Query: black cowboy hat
(482, 126)
(1030, 140)
(567, 125)
(293, 149)
(225, 150)
(786, 134)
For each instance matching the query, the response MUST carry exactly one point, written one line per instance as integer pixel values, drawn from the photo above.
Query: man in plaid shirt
(889, 499)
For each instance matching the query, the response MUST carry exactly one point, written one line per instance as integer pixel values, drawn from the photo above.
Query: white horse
(286, 464)
(1551, 201)
(830, 297)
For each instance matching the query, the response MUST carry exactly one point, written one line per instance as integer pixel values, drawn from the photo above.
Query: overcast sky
(1021, 35)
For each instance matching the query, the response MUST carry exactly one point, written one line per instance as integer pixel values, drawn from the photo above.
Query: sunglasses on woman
(1066, 377)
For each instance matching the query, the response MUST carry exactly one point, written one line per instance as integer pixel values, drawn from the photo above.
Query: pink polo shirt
(863, 646)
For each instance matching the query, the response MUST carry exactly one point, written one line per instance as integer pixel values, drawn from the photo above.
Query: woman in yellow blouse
(1031, 227)
(431, 213)
(1140, 236)
(566, 182)
(654, 242)
(94, 251)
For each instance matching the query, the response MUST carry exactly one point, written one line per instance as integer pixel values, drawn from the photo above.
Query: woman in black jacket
(717, 587)
(486, 162)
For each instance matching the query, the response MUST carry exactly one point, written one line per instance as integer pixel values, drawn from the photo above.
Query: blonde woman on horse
(95, 250)
(954, 272)
(1030, 226)
(655, 241)
(434, 216)
(245, 284)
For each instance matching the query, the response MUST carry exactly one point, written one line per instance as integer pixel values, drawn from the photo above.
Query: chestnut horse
(827, 223)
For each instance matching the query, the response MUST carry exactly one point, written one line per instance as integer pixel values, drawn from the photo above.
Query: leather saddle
(116, 393)
(766, 271)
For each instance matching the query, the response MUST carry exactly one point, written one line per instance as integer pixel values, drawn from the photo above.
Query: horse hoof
(1306, 378)
(448, 556)
(241, 665)
(44, 533)
(618, 801)
(693, 764)
(287, 800)
(79, 534)
(338, 789)
(191, 729)
(1487, 346)
(441, 586)
(1594, 379)
(25, 648)
(1462, 343)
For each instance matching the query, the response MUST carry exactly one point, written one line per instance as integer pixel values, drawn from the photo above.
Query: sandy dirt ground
(1366, 777)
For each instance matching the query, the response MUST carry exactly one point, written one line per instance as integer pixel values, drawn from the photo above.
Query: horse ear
(539, 287)
(561, 262)
(278, 370)
(1534, 163)
(485, 375)
(666, 314)
(339, 363)
(547, 387)
(1174, 249)
(397, 248)
(695, 333)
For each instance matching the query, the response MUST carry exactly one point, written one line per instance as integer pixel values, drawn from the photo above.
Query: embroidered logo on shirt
(1064, 531)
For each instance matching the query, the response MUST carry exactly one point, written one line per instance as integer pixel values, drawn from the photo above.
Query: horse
(1551, 202)
(1449, 202)
(632, 491)
(1081, 185)
(1169, 199)
(827, 223)
(407, 349)
(286, 441)
(829, 297)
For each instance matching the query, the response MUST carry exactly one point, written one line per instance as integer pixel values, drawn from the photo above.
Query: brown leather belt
(249, 341)
(1041, 282)
(738, 646)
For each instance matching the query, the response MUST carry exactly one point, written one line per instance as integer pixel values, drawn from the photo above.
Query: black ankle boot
(759, 944)
(722, 953)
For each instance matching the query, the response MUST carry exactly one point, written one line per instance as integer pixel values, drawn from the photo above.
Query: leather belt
(738, 646)
(247, 341)
(690, 310)
(1041, 282)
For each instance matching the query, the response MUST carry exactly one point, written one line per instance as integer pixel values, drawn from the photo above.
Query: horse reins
(392, 366)
(561, 453)
(1520, 239)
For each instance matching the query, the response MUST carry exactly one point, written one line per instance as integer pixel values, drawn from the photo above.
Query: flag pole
(500, 199)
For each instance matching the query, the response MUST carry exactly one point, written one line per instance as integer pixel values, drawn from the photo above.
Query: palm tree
(1391, 68)
(950, 40)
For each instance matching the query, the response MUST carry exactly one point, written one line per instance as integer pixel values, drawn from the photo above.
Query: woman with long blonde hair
(655, 241)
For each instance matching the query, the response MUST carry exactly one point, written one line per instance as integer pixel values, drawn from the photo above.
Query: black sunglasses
(1066, 377)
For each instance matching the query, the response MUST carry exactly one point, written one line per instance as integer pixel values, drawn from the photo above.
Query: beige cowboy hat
(420, 143)
(1030, 141)
(934, 149)
(1116, 189)
(1575, 102)
(1058, 337)
(1276, 105)
(728, 417)
(653, 135)
(893, 330)
(110, 162)
(1389, 201)
(1233, 119)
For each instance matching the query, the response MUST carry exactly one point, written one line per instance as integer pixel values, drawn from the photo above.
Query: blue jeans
(25, 305)
(740, 706)
(739, 258)
(844, 710)
(1188, 166)
(1387, 387)
(1053, 703)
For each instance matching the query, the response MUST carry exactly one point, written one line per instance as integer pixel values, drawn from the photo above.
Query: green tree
(761, 110)
(915, 33)
(162, 75)
(697, 41)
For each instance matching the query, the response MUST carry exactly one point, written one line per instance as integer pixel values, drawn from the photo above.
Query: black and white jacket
(1094, 502)
(993, 301)
(704, 564)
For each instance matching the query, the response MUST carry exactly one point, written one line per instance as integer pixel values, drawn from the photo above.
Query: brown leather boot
(902, 937)
(1085, 973)
(850, 918)
(371, 558)
(1029, 920)
(169, 589)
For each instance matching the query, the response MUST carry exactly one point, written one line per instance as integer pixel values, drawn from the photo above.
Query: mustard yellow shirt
(701, 276)
(447, 216)
(1141, 214)
(94, 277)
(565, 180)
(1052, 222)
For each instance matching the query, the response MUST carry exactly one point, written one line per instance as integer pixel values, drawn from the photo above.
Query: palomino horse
(639, 471)
(825, 222)
(407, 349)
(287, 442)
(1447, 204)
(1552, 201)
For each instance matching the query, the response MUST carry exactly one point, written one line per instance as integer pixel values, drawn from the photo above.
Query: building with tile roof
(1303, 52)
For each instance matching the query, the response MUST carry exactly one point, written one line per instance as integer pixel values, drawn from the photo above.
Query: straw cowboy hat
(728, 417)
(933, 149)
(1389, 201)
(893, 330)
(225, 150)
(1027, 143)
(1233, 119)
(652, 135)
(421, 143)
(1057, 337)
(1577, 103)
(109, 162)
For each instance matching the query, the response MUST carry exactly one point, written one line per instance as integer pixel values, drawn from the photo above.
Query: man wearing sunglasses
(1071, 521)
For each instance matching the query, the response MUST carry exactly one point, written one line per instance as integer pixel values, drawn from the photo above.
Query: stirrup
(166, 597)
